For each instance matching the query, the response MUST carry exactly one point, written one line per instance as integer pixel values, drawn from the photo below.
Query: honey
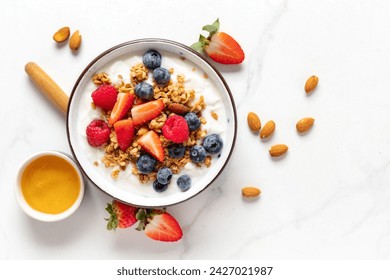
(50, 184)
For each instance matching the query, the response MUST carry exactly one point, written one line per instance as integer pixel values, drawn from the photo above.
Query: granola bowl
(195, 87)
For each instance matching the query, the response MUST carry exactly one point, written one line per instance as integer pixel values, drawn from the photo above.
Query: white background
(327, 199)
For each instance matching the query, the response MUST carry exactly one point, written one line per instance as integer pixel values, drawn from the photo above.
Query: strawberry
(163, 227)
(121, 215)
(97, 133)
(176, 129)
(146, 111)
(122, 106)
(151, 143)
(219, 46)
(105, 97)
(124, 130)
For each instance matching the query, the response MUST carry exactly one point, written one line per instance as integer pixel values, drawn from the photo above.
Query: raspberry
(98, 133)
(105, 97)
(176, 129)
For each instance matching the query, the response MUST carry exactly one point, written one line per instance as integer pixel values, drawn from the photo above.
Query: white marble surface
(329, 198)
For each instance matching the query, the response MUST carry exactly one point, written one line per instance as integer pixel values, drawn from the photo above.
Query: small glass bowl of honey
(50, 186)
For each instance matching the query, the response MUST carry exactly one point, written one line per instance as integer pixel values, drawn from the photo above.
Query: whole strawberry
(219, 46)
(121, 215)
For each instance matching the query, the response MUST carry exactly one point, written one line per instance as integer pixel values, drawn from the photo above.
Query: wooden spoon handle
(47, 86)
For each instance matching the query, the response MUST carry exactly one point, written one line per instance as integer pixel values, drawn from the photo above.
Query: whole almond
(278, 150)
(254, 121)
(304, 124)
(178, 108)
(267, 129)
(311, 84)
(75, 41)
(62, 34)
(250, 192)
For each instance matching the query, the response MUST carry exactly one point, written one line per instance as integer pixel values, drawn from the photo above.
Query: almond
(254, 121)
(75, 41)
(304, 124)
(250, 192)
(62, 34)
(267, 129)
(178, 108)
(311, 83)
(278, 150)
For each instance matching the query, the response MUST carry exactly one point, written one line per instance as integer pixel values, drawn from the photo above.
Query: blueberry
(176, 151)
(192, 120)
(164, 175)
(144, 91)
(152, 59)
(145, 164)
(158, 187)
(161, 76)
(184, 182)
(198, 154)
(213, 143)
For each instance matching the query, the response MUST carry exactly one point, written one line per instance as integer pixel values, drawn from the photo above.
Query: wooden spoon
(47, 86)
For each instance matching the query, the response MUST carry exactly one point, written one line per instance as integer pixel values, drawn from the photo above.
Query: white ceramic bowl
(44, 217)
(76, 128)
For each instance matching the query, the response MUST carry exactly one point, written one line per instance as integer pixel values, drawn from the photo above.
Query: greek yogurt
(195, 79)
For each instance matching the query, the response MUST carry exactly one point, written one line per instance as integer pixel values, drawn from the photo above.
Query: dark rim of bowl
(156, 40)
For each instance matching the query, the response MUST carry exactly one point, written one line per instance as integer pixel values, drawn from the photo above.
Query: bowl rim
(40, 216)
(152, 40)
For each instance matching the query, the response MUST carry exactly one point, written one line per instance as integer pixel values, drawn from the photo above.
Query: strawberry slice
(219, 46)
(146, 111)
(223, 49)
(121, 215)
(121, 107)
(151, 143)
(124, 130)
(163, 227)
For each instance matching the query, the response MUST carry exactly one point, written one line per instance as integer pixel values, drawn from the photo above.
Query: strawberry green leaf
(198, 46)
(210, 28)
(141, 215)
(141, 226)
(216, 24)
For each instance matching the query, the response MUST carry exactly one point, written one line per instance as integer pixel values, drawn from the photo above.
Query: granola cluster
(172, 93)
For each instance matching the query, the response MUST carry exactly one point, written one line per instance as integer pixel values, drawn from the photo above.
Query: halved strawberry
(121, 215)
(163, 227)
(124, 130)
(151, 143)
(219, 46)
(122, 106)
(146, 111)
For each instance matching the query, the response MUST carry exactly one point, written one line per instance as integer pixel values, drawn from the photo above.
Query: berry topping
(163, 227)
(176, 129)
(121, 215)
(147, 111)
(164, 175)
(176, 151)
(151, 59)
(161, 76)
(124, 130)
(145, 164)
(219, 46)
(198, 154)
(184, 182)
(144, 91)
(105, 97)
(213, 143)
(192, 120)
(151, 143)
(158, 187)
(98, 133)
(121, 108)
